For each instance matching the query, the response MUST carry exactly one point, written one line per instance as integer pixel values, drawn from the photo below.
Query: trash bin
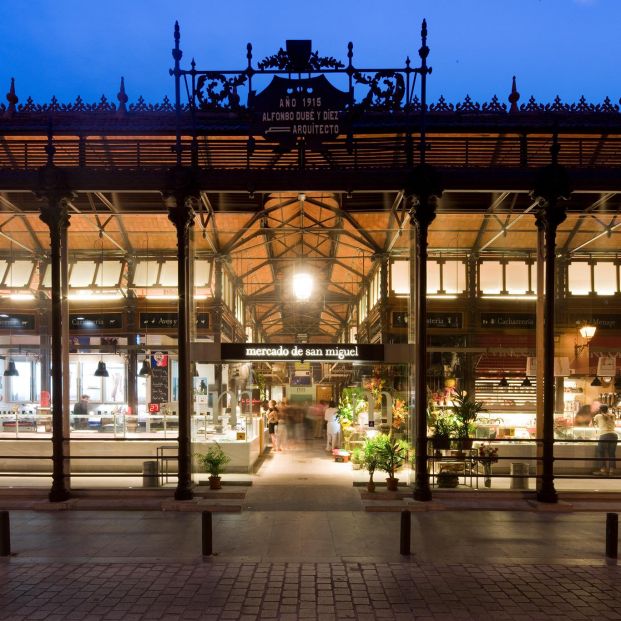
(150, 474)
(519, 476)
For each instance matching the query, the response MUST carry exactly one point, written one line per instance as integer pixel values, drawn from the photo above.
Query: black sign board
(202, 321)
(159, 379)
(345, 352)
(92, 322)
(17, 322)
(508, 320)
(602, 322)
(309, 108)
(444, 320)
(169, 321)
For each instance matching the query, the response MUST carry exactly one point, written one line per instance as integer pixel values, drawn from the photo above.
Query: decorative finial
(514, 97)
(249, 54)
(423, 52)
(177, 32)
(122, 98)
(350, 52)
(193, 64)
(12, 99)
(177, 53)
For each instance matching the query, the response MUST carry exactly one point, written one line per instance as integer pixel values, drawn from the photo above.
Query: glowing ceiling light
(302, 286)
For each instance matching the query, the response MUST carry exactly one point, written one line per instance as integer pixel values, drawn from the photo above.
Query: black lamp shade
(503, 383)
(596, 381)
(101, 370)
(145, 370)
(526, 383)
(11, 370)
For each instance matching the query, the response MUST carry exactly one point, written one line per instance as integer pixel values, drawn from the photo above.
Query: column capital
(181, 187)
(551, 186)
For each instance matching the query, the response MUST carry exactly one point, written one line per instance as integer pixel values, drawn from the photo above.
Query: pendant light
(596, 381)
(101, 370)
(145, 370)
(503, 383)
(11, 370)
(617, 383)
(526, 383)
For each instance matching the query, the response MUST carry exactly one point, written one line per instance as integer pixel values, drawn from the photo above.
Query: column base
(547, 494)
(59, 494)
(422, 493)
(184, 493)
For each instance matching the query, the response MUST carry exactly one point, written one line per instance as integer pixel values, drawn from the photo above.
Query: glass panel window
(82, 274)
(201, 273)
(490, 277)
(400, 277)
(109, 274)
(115, 383)
(605, 278)
(19, 273)
(454, 277)
(20, 386)
(146, 273)
(517, 277)
(433, 277)
(168, 275)
(579, 278)
(89, 384)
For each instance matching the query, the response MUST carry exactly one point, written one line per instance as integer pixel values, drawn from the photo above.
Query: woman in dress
(272, 424)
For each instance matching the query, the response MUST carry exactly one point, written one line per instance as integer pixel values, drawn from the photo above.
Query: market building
(309, 230)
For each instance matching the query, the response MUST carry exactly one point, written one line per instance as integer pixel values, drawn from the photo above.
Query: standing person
(607, 444)
(281, 428)
(272, 424)
(333, 427)
(80, 412)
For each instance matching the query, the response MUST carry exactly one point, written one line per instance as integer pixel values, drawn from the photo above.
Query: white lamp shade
(302, 286)
(587, 331)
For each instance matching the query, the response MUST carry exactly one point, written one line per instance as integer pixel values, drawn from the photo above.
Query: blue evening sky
(82, 47)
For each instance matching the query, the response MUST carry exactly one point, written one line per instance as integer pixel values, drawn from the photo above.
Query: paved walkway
(326, 559)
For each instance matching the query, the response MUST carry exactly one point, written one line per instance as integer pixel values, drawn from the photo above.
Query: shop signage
(99, 321)
(603, 322)
(17, 322)
(606, 366)
(561, 366)
(309, 108)
(169, 321)
(159, 377)
(508, 320)
(444, 320)
(296, 351)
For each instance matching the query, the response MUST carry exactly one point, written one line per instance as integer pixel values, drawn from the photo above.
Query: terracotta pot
(370, 486)
(392, 485)
(214, 482)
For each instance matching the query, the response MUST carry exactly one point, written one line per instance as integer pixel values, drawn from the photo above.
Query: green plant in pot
(213, 462)
(445, 428)
(447, 479)
(391, 456)
(466, 411)
(357, 458)
(370, 459)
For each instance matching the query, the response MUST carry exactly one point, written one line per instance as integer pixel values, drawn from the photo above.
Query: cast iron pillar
(551, 186)
(54, 191)
(180, 202)
(424, 190)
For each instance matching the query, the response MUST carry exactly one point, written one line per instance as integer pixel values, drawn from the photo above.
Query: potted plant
(446, 478)
(399, 418)
(466, 411)
(213, 462)
(391, 456)
(357, 458)
(444, 429)
(370, 460)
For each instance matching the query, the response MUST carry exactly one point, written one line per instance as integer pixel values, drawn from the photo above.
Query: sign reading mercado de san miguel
(344, 352)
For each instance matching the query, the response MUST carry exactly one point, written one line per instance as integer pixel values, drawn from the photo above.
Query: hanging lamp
(503, 382)
(596, 381)
(101, 370)
(11, 370)
(145, 370)
(526, 383)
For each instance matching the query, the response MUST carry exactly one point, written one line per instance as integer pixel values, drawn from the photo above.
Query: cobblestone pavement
(323, 591)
